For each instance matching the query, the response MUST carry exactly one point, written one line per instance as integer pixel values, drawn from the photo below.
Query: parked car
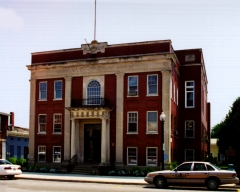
(193, 173)
(8, 169)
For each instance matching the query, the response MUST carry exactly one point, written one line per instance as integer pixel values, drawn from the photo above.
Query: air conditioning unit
(132, 92)
(175, 132)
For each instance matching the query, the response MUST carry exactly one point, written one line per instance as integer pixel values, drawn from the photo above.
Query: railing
(72, 162)
(91, 102)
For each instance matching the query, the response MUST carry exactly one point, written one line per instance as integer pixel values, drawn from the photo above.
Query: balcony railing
(91, 102)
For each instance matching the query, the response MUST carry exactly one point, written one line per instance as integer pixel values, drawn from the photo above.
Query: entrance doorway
(92, 143)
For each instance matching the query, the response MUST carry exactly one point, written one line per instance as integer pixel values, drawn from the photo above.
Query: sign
(165, 157)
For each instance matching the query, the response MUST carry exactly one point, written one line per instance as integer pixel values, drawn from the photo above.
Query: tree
(228, 131)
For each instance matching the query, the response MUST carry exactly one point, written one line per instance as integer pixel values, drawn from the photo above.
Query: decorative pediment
(94, 47)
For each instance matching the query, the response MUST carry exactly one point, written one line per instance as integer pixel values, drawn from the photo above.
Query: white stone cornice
(90, 113)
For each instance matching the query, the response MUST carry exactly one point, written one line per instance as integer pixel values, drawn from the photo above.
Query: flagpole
(95, 22)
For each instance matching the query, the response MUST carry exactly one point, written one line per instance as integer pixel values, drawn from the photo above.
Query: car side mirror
(175, 169)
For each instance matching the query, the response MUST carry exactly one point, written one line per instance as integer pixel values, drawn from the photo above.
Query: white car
(8, 169)
(193, 173)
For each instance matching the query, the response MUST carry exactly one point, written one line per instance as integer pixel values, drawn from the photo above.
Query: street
(20, 185)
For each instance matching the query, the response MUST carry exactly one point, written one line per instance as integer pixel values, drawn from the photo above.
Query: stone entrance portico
(80, 117)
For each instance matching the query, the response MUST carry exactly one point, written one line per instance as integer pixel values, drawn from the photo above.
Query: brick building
(101, 103)
(3, 136)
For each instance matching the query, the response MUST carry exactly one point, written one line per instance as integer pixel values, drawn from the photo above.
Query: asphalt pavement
(123, 180)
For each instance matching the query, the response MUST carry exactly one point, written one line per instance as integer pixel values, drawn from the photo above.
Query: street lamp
(162, 119)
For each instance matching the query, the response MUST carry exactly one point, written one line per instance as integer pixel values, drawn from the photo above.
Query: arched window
(94, 93)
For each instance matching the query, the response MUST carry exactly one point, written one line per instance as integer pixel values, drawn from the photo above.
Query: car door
(181, 174)
(199, 173)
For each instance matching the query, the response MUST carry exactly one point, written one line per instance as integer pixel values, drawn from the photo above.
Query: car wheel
(160, 182)
(10, 176)
(212, 184)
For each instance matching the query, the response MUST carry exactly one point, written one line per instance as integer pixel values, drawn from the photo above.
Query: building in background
(3, 137)
(17, 140)
(101, 103)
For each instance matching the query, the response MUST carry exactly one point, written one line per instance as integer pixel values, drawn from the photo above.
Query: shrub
(122, 172)
(147, 170)
(172, 165)
(112, 172)
(13, 160)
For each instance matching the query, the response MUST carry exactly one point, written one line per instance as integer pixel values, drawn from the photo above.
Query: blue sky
(44, 25)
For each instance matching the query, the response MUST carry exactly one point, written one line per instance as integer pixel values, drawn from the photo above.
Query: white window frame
(136, 91)
(128, 121)
(152, 94)
(55, 90)
(177, 96)
(193, 129)
(129, 163)
(57, 159)
(40, 97)
(43, 152)
(39, 123)
(148, 131)
(174, 93)
(54, 123)
(147, 157)
(189, 91)
(93, 94)
(185, 154)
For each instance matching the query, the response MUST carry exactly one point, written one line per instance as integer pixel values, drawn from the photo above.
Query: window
(152, 85)
(42, 119)
(189, 94)
(18, 151)
(41, 153)
(58, 90)
(132, 122)
(57, 123)
(132, 86)
(94, 93)
(189, 155)
(199, 167)
(132, 156)
(152, 156)
(189, 129)
(0, 123)
(152, 121)
(210, 168)
(43, 90)
(12, 151)
(174, 92)
(57, 154)
(177, 96)
(185, 167)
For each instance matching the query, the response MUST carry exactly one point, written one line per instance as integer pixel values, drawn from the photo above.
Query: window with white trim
(152, 122)
(41, 153)
(132, 156)
(94, 93)
(177, 96)
(189, 129)
(57, 89)
(132, 85)
(57, 154)
(152, 83)
(42, 121)
(132, 122)
(189, 94)
(152, 156)
(174, 92)
(43, 90)
(57, 123)
(189, 155)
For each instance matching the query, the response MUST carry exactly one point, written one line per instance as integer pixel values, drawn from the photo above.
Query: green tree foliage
(228, 131)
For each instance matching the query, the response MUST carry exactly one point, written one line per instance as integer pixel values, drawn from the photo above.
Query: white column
(104, 142)
(73, 138)
(68, 87)
(166, 107)
(32, 120)
(108, 140)
(4, 149)
(119, 119)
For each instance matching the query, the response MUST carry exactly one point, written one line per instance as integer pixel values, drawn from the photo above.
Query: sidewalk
(121, 180)
(83, 178)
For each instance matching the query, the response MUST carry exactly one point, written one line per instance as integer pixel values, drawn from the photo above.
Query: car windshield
(2, 161)
(216, 167)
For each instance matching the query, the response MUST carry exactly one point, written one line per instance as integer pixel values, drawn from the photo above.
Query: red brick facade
(181, 70)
